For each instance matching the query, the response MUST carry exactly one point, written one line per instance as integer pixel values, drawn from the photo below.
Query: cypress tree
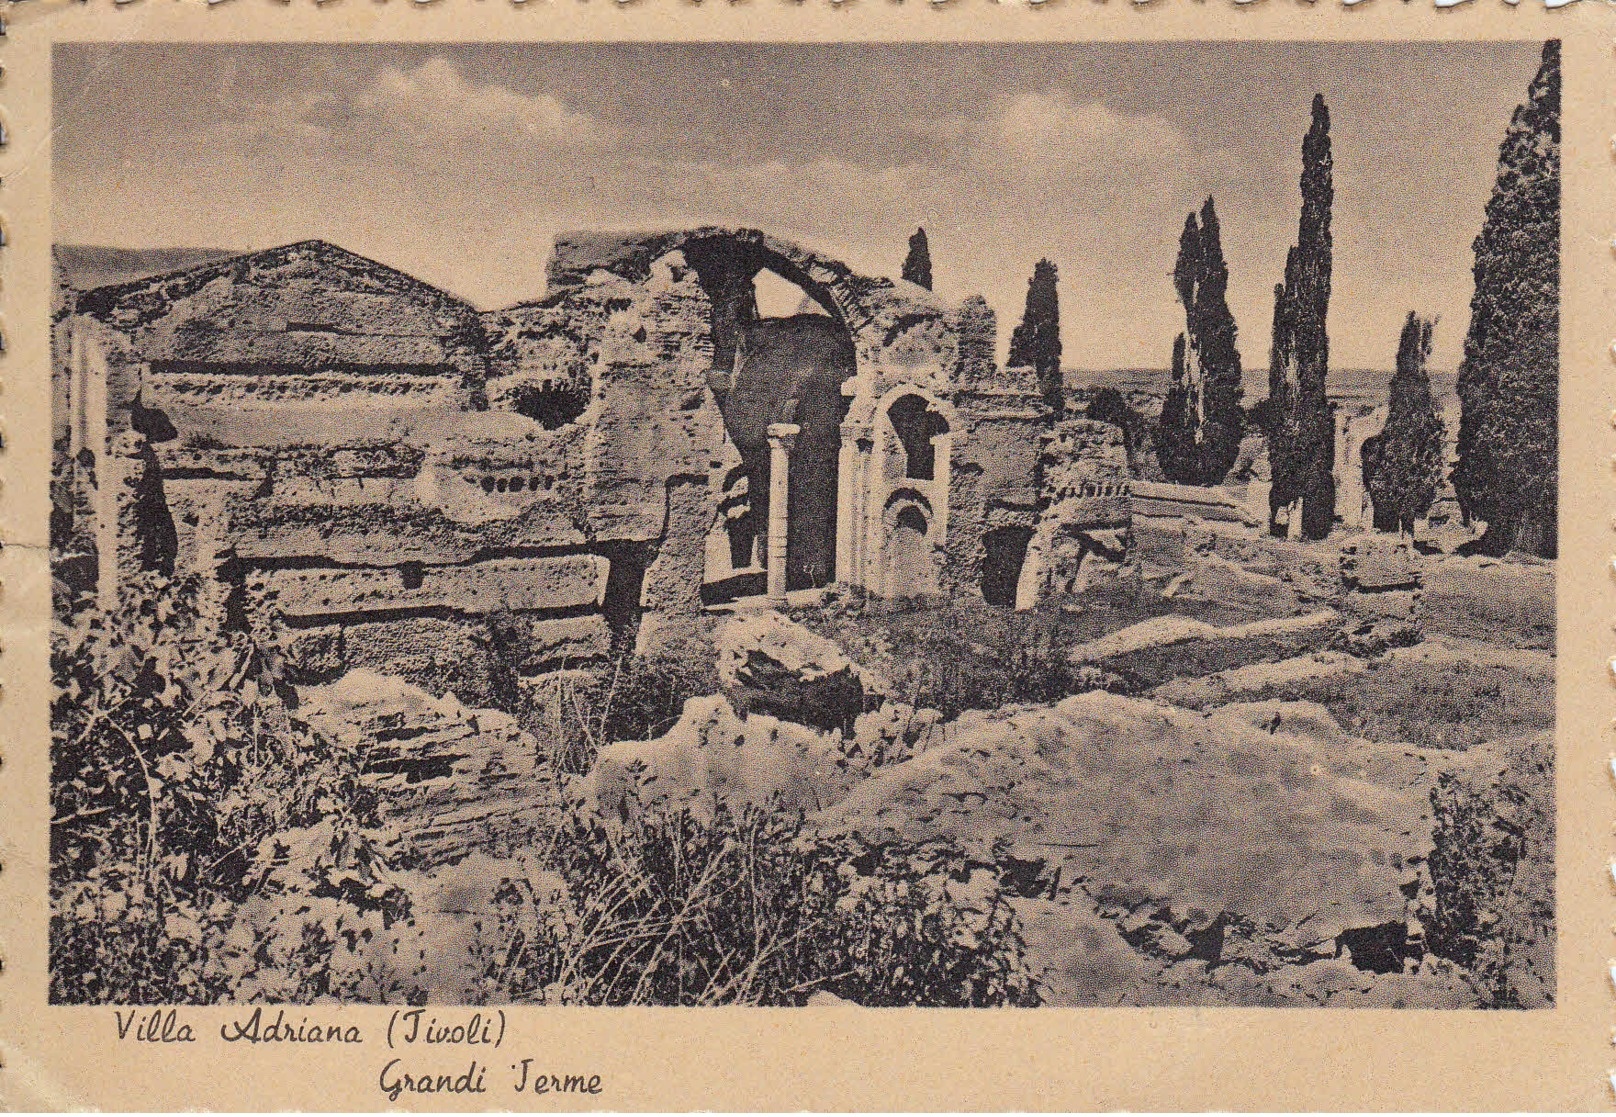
(1402, 465)
(917, 265)
(1509, 378)
(1036, 343)
(1302, 431)
(1198, 436)
(1110, 406)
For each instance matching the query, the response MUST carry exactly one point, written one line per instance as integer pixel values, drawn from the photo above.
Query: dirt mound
(1167, 856)
(1200, 691)
(1152, 652)
(714, 754)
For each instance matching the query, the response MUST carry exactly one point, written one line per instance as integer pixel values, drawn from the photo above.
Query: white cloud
(1088, 135)
(1051, 135)
(437, 168)
(433, 102)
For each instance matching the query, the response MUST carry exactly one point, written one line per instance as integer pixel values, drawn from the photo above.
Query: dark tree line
(1301, 429)
(1402, 465)
(1507, 472)
(1198, 437)
(1509, 379)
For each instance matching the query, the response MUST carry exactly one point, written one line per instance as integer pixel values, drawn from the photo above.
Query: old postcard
(626, 557)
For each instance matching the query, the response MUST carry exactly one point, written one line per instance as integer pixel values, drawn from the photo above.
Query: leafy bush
(957, 656)
(1492, 869)
(961, 654)
(174, 757)
(662, 909)
(208, 846)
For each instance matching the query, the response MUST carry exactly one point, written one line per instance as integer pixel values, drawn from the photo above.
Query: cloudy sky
(460, 163)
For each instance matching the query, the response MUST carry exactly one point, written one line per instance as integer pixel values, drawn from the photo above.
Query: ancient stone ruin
(371, 473)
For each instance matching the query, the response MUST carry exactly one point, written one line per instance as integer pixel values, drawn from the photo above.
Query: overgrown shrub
(961, 654)
(751, 907)
(208, 846)
(633, 698)
(1492, 867)
(958, 656)
(175, 756)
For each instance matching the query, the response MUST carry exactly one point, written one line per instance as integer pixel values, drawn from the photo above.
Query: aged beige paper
(774, 557)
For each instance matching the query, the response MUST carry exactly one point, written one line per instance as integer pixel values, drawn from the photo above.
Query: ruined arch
(725, 261)
(917, 423)
(896, 339)
(776, 370)
(944, 409)
(777, 297)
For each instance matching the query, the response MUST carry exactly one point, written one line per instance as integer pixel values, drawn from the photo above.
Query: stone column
(121, 473)
(852, 477)
(782, 436)
(943, 475)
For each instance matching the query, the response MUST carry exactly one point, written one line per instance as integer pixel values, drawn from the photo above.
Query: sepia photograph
(796, 524)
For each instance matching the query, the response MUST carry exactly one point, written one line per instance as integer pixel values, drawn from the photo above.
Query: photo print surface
(1024, 524)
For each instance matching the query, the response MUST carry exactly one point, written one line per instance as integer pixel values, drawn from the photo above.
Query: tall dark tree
(1198, 436)
(917, 265)
(1402, 465)
(1509, 378)
(1301, 436)
(1036, 343)
(1108, 405)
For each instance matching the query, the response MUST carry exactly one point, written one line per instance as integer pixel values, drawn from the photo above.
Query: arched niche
(1004, 557)
(916, 424)
(909, 560)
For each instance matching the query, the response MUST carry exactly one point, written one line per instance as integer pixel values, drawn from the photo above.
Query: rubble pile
(450, 779)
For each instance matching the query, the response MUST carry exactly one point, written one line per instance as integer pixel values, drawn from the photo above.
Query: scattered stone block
(450, 780)
(1152, 652)
(772, 665)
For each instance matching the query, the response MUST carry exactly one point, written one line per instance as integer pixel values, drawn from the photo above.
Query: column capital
(857, 434)
(783, 434)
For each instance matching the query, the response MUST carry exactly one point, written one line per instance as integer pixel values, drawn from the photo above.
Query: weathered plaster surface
(386, 477)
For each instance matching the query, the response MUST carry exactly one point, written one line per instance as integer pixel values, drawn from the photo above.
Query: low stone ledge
(1152, 652)
(551, 583)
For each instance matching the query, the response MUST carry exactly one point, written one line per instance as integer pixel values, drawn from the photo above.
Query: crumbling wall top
(892, 322)
(304, 305)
